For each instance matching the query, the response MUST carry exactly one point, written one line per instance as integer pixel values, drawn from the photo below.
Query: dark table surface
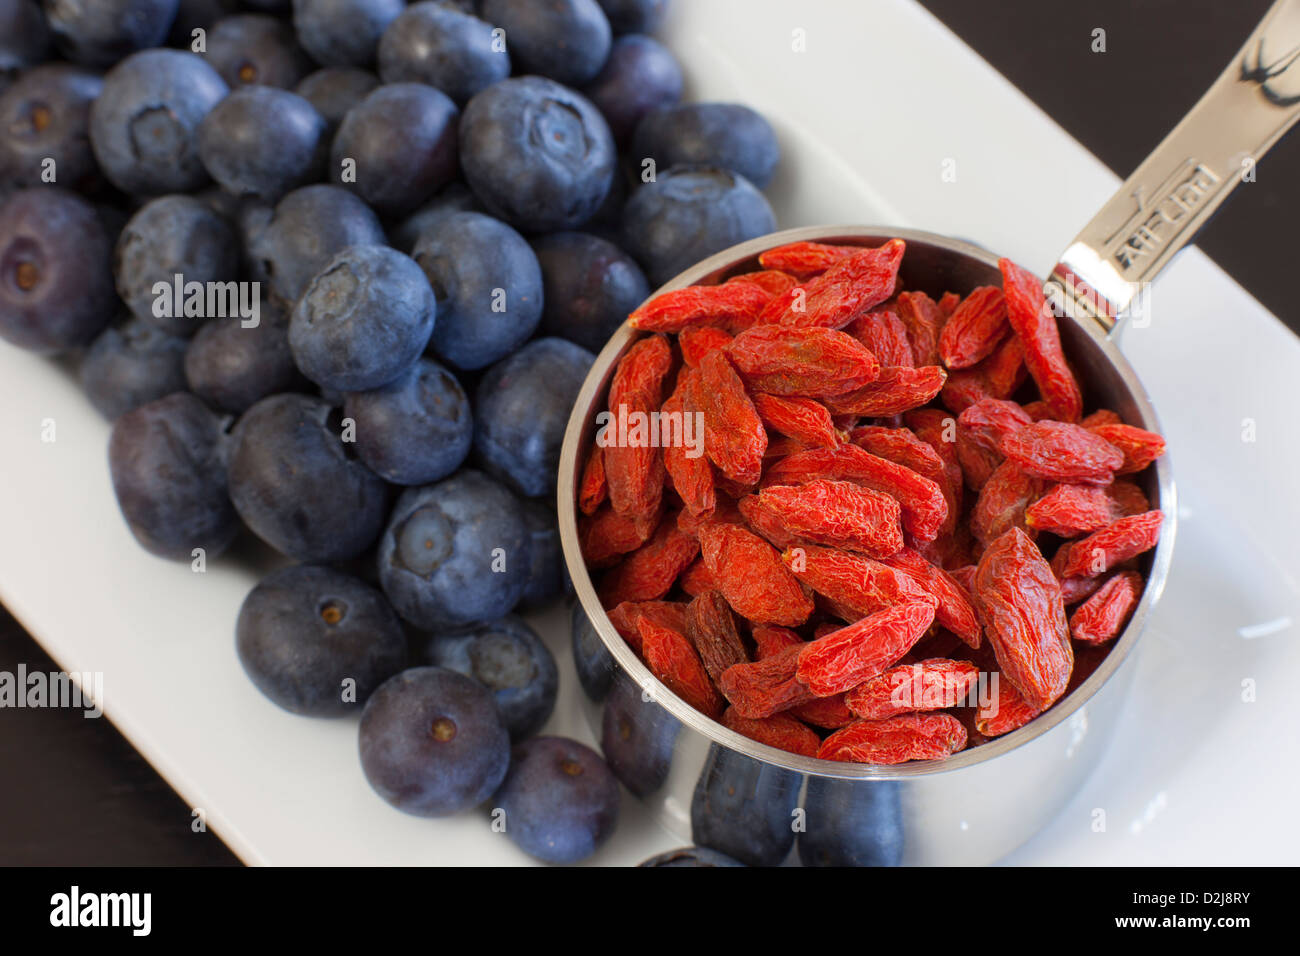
(75, 792)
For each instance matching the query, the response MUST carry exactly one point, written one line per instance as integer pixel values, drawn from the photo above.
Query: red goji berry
(592, 490)
(712, 630)
(1005, 713)
(990, 420)
(924, 320)
(934, 684)
(896, 739)
(725, 512)
(650, 571)
(730, 305)
(845, 658)
(885, 335)
(829, 713)
(1063, 452)
(772, 281)
(1074, 590)
(851, 286)
(974, 328)
(697, 343)
(779, 731)
(809, 362)
(607, 535)
(955, 610)
(1037, 410)
(1138, 446)
(1003, 503)
(671, 658)
(903, 448)
(948, 303)
(1019, 602)
(805, 259)
(689, 469)
(837, 513)
(897, 389)
(804, 419)
(859, 585)
(1035, 326)
(625, 616)
(634, 470)
(1071, 510)
(696, 579)
(997, 376)
(1122, 539)
(766, 686)
(1102, 416)
(734, 437)
(977, 461)
(763, 519)
(938, 429)
(1101, 618)
(752, 578)
(1128, 497)
(769, 639)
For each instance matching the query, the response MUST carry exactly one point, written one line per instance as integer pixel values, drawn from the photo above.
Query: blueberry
(640, 75)
(537, 154)
(521, 409)
(728, 135)
(145, 123)
(590, 285)
(637, 737)
(591, 658)
(24, 36)
(256, 48)
(194, 15)
(294, 483)
(309, 226)
(432, 743)
(103, 32)
(335, 90)
(402, 140)
(416, 429)
(343, 32)
(46, 118)
(744, 808)
(56, 270)
(455, 552)
(690, 856)
(634, 16)
(363, 320)
(132, 364)
(488, 286)
(559, 799)
(165, 459)
(167, 237)
(436, 44)
(547, 577)
(687, 215)
(852, 823)
(261, 142)
(317, 641)
(455, 197)
(564, 40)
(509, 659)
(232, 366)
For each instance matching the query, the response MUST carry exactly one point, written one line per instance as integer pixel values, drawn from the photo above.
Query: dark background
(75, 792)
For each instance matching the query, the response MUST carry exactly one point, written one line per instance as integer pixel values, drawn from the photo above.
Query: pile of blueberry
(285, 245)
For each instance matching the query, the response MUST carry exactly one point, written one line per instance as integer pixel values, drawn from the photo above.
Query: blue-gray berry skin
(564, 40)
(335, 90)
(521, 409)
(24, 37)
(343, 32)
(537, 154)
(509, 659)
(432, 742)
(317, 641)
(727, 135)
(637, 737)
(454, 197)
(131, 364)
(416, 429)
(591, 658)
(437, 44)
(260, 142)
(170, 236)
(687, 214)
(852, 823)
(455, 553)
(165, 460)
(45, 116)
(144, 126)
(194, 15)
(256, 48)
(307, 229)
(488, 286)
(589, 287)
(231, 366)
(363, 320)
(690, 857)
(56, 271)
(560, 799)
(641, 75)
(548, 577)
(744, 808)
(402, 141)
(634, 16)
(101, 32)
(297, 486)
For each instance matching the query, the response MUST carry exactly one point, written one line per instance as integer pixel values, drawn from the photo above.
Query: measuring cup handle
(1175, 190)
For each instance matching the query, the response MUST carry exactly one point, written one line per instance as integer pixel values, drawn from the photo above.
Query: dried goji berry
(634, 470)
(1037, 410)
(804, 419)
(1074, 590)
(624, 617)
(591, 486)
(990, 420)
(845, 658)
(837, 513)
(903, 448)
(671, 658)
(767, 523)
(965, 576)
(697, 343)
(977, 461)
(1063, 452)
(938, 429)
(734, 437)
(689, 469)
(1122, 539)
(997, 376)
(650, 571)
(1071, 510)
(829, 713)
(924, 320)
(805, 259)
(1128, 497)
(859, 585)
(767, 686)
(1019, 602)
(725, 512)
(1103, 616)
(948, 303)
(956, 612)
(607, 535)
(696, 579)
(730, 305)
(1003, 502)
(810, 362)
(1138, 446)
(896, 389)
(779, 731)
(752, 578)
(769, 639)
(772, 281)
(1035, 326)
(885, 335)
(712, 630)
(1006, 712)
(934, 684)
(849, 287)
(974, 328)
(896, 739)
(1102, 416)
